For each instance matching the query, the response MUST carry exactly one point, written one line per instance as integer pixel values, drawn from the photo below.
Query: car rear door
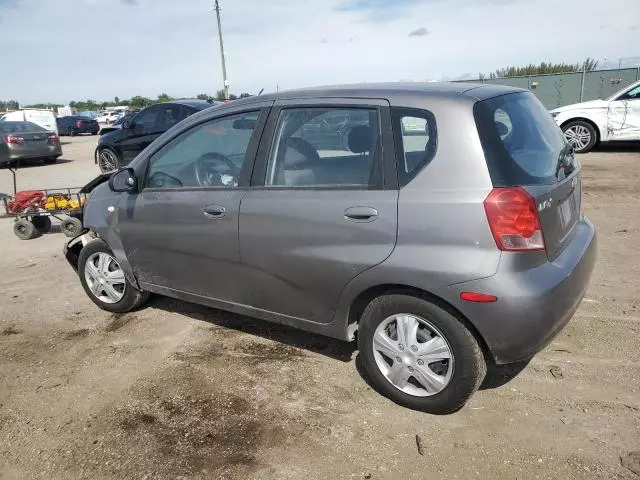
(322, 207)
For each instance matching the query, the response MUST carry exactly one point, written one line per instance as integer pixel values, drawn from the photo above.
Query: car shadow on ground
(617, 147)
(329, 347)
(32, 163)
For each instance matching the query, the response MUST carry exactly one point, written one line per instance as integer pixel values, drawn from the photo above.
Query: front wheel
(104, 281)
(418, 354)
(108, 160)
(581, 135)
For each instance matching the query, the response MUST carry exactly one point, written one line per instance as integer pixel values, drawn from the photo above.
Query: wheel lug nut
(410, 369)
(414, 348)
(420, 362)
(401, 347)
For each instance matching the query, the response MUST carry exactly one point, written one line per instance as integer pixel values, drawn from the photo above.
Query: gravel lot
(178, 390)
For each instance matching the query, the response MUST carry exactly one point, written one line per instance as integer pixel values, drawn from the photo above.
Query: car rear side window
(416, 141)
(521, 142)
(325, 147)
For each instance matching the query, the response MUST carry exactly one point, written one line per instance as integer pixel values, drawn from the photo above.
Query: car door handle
(214, 211)
(361, 214)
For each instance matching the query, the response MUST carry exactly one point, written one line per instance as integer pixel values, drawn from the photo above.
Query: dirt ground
(176, 390)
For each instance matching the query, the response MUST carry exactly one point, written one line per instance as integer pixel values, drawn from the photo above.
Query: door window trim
(249, 157)
(381, 175)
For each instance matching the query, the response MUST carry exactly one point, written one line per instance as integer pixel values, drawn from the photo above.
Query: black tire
(469, 367)
(107, 158)
(584, 146)
(72, 132)
(132, 297)
(25, 230)
(42, 223)
(50, 160)
(71, 226)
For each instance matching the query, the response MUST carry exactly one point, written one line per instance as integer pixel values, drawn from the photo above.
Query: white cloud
(60, 50)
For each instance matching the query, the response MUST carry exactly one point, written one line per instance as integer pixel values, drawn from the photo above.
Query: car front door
(180, 233)
(322, 207)
(623, 119)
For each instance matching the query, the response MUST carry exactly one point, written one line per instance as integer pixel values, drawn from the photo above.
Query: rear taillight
(513, 219)
(12, 139)
(79, 123)
(53, 139)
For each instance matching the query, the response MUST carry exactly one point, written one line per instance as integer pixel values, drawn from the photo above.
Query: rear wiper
(563, 163)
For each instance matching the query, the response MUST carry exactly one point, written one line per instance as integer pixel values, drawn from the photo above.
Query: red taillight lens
(53, 138)
(12, 139)
(79, 123)
(513, 219)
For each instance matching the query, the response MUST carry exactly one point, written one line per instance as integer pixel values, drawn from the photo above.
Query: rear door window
(522, 143)
(325, 147)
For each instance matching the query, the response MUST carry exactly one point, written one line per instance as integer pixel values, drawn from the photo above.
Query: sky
(63, 50)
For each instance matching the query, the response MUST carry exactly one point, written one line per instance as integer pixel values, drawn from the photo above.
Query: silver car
(27, 141)
(439, 250)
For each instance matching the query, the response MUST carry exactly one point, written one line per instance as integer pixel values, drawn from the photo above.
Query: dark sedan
(26, 141)
(76, 124)
(118, 147)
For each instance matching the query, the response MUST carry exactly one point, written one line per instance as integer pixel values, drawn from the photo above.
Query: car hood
(590, 105)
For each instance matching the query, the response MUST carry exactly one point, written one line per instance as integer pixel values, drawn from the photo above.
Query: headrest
(361, 139)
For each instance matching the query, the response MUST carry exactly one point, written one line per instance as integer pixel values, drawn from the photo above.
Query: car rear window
(521, 142)
(20, 127)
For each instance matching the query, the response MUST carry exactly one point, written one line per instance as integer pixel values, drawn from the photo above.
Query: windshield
(521, 142)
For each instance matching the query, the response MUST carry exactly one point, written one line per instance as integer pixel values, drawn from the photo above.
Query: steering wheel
(207, 170)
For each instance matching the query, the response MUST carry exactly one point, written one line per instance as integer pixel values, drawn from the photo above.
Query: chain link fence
(558, 90)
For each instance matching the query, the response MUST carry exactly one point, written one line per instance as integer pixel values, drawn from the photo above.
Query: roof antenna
(260, 92)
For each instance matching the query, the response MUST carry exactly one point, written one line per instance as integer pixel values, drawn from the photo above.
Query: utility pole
(224, 67)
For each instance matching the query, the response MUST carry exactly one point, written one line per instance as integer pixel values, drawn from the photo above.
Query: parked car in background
(28, 141)
(117, 124)
(108, 117)
(44, 118)
(588, 123)
(76, 125)
(118, 147)
(439, 249)
(88, 114)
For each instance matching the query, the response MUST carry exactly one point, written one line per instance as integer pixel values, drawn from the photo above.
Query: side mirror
(123, 180)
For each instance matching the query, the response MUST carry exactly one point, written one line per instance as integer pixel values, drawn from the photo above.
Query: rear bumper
(534, 304)
(35, 153)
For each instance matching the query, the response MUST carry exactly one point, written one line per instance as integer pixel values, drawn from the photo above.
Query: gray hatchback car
(439, 224)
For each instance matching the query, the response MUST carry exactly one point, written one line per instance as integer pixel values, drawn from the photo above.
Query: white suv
(588, 123)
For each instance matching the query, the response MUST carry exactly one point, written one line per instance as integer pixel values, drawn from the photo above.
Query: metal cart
(33, 209)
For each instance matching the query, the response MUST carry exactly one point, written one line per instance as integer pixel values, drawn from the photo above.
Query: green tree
(140, 102)
(163, 97)
(116, 100)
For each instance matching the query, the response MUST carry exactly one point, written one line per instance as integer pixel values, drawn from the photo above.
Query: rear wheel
(108, 160)
(72, 132)
(25, 230)
(581, 135)
(418, 354)
(71, 226)
(104, 281)
(42, 223)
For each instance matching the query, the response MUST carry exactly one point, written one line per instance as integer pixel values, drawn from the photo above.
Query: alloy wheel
(413, 355)
(578, 136)
(107, 161)
(104, 277)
